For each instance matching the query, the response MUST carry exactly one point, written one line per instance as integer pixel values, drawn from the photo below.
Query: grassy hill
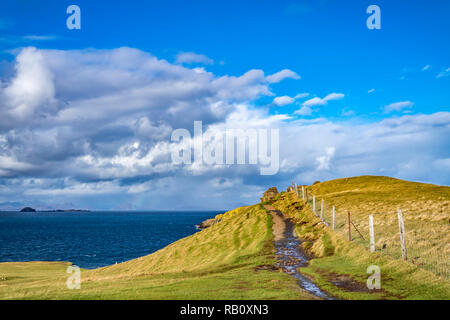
(425, 207)
(340, 266)
(380, 195)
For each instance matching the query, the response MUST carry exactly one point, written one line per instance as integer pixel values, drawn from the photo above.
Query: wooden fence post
(349, 228)
(372, 234)
(314, 205)
(333, 216)
(303, 192)
(401, 227)
(296, 190)
(321, 209)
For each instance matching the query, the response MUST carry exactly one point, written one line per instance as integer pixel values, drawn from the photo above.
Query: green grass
(216, 263)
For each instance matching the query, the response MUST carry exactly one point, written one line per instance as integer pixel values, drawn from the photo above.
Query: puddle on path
(290, 257)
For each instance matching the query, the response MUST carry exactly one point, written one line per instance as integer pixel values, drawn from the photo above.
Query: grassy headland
(425, 207)
(226, 261)
(234, 259)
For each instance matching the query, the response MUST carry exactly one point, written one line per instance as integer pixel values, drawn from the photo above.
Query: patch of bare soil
(279, 225)
(269, 267)
(345, 282)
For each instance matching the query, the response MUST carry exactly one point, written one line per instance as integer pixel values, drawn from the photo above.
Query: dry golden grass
(425, 207)
(218, 245)
(220, 262)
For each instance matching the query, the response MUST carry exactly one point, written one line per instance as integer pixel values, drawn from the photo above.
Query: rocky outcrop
(28, 209)
(206, 224)
(270, 194)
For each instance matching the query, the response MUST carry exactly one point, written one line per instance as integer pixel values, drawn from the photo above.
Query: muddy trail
(289, 253)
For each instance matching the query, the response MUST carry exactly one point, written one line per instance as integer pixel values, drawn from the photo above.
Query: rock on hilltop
(270, 194)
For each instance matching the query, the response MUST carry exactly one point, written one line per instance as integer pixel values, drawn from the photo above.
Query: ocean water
(92, 239)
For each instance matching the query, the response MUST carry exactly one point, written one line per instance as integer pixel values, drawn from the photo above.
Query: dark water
(93, 239)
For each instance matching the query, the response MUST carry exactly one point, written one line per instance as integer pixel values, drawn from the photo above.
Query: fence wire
(425, 250)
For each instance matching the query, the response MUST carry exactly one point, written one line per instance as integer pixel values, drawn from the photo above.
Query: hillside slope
(341, 267)
(425, 207)
(380, 195)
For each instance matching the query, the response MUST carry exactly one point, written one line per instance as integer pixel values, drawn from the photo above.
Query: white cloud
(346, 112)
(281, 75)
(304, 111)
(301, 95)
(427, 67)
(398, 106)
(371, 90)
(111, 119)
(192, 57)
(444, 73)
(283, 101)
(39, 37)
(32, 88)
(104, 130)
(324, 150)
(334, 96)
(381, 148)
(316, 101)
(9, 166)
(325, 160)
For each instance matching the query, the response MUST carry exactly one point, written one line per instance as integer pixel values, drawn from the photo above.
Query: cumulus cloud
(347, 112)
(316, 101)
(32, 88)
(281, 75)
(325, 160)
(192, 57)
(301, 95)
(398, 106)
(379, 148)
(444, 73)
(80, 124)
(108, 114)
(304, 111)
(283, 101)
(286, 100)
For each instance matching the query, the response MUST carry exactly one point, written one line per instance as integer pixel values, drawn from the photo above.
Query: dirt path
(279, 224)
(289, 252)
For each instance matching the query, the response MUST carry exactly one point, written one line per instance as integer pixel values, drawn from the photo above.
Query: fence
(393, 233)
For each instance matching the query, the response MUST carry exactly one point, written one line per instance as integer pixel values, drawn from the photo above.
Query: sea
(92, 239)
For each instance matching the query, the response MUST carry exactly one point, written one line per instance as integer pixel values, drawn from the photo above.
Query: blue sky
(345, 80)
(327, 42)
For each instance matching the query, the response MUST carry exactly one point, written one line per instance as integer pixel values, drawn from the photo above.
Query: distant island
(29, 209)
